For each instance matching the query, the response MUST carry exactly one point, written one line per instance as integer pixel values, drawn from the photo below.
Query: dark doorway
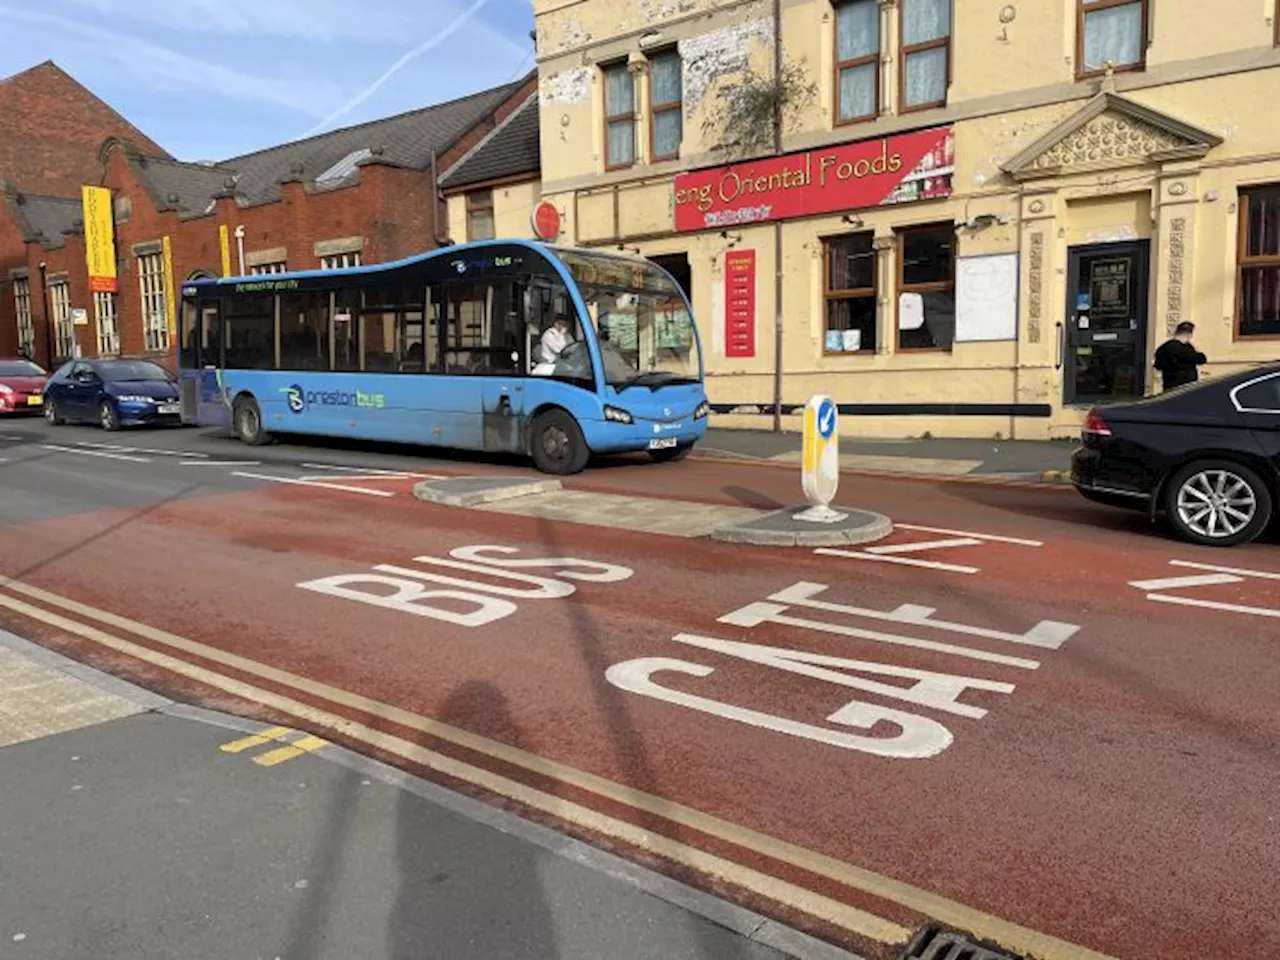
(1106, 329)
(677, 264)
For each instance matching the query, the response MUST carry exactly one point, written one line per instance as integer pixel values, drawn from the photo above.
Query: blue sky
(210, 79)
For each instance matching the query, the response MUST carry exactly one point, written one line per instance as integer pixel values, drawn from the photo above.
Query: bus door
(505, 355)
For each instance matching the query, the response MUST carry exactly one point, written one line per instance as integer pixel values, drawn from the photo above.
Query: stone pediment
(1110, 132)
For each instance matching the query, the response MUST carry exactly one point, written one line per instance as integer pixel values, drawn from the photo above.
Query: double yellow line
(831, 911)
(291, 748)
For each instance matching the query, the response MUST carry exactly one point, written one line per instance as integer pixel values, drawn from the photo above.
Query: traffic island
(547, 500)
(477, 491)
(789, 528)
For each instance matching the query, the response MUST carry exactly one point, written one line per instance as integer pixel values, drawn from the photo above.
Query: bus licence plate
(662, 443)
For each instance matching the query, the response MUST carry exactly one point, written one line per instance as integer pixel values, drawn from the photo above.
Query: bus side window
(250, 337)
(188, 351)
(304, 331)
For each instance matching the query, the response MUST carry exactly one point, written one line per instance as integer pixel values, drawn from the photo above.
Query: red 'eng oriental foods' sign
(851, 176)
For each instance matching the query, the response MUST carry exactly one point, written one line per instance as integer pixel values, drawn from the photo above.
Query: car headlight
(5, 389)
(617, 415)
(703, 410)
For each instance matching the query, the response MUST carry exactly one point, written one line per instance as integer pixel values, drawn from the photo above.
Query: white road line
(967, 533)
(1215, 605)
(373, 476)
(11, 436)
(95, 453)
(1265, 575)
(220, 463)
(362, 470)
(1175, 583)
(905, 561)
(159, 453)
(313, 485)
(925, 545)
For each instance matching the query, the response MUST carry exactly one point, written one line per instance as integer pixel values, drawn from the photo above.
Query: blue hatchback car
(113, 393)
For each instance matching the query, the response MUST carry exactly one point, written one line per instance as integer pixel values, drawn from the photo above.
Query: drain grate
(935, 942)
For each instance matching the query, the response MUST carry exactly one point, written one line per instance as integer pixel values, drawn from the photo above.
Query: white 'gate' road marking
(892, 553)
(371, 471)
(1175, 583)
(220, 463)
(968, 533)
(159, 453)
(1261, 574)
(94, 453)
(312, 484)
(906, 561)
(1218, 576)
(925, 545)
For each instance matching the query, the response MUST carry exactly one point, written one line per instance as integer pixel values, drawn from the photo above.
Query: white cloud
(162, 67)
(322, 21)
(425, 47)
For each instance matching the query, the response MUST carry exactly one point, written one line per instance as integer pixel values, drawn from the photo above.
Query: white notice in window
(910, 311)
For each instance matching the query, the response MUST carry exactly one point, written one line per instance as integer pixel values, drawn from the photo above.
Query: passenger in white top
(555, 339)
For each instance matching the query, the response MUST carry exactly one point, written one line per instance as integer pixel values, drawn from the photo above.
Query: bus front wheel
(246, 416)
(557, 444)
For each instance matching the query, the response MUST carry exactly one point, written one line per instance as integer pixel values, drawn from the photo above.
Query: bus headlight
(617, 415)
(703, 410)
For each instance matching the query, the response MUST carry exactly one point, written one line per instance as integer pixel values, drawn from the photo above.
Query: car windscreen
(20, 368)
(126, 371)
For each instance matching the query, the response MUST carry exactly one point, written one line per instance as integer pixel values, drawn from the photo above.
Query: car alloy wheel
(1218, 503)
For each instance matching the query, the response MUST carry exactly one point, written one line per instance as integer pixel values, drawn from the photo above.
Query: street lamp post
(48, 321)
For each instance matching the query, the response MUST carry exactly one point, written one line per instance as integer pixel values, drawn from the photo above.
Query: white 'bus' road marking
(159, 453)
(312, 484)
(906, 561)
(968, 533)
(94, 453)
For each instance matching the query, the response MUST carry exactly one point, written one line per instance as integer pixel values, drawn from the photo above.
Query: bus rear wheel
(246, 419)
(557, 445)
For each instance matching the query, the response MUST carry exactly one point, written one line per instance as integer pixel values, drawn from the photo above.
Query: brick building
(50, 130)
(361, 194)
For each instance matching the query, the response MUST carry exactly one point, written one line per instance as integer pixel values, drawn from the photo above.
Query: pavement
(1047, 461)
(138, 827)
(1020, 714)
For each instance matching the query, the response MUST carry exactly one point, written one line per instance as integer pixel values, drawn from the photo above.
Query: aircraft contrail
(396, 67)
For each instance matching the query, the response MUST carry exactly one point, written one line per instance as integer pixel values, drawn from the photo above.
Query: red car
(21, 387)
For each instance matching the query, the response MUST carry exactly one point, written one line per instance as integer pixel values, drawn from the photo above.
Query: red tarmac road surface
(1122, 797)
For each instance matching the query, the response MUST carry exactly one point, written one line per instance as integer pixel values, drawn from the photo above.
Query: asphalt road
(1025, 715)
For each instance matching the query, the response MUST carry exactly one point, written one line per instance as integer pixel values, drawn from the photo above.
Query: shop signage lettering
(870, 173)
(740, 303)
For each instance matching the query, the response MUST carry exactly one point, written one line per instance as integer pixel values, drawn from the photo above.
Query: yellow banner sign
(170, 302)
(99, 238)
(224, 243)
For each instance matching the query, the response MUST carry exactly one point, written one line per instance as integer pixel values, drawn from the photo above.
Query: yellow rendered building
(965, 218)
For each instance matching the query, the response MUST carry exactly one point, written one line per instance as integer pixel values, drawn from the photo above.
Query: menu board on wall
(740, 303)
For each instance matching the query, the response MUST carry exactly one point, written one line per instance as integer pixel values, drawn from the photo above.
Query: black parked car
(1206, 455)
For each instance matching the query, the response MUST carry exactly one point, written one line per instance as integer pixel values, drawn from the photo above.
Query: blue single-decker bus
(503, 346)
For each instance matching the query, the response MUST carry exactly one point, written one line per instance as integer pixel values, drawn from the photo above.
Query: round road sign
(546, 221)
(826, 419)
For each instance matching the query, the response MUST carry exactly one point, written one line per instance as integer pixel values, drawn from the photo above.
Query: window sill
(864, 352)
(1138, 67)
